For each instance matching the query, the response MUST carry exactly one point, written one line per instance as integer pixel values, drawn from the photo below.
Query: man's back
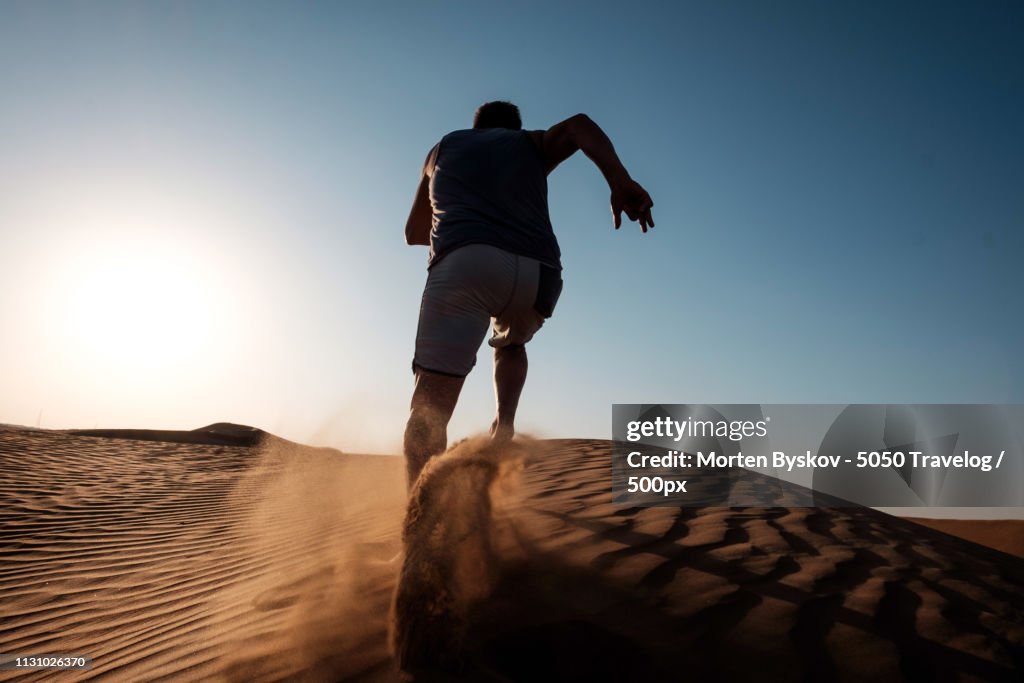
(489, 186)
(481, 205)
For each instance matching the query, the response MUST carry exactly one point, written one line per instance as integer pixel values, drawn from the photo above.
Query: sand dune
(1006, 535)
(192, 561)
(217, 434)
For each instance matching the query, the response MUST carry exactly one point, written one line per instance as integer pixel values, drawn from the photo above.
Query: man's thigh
(462, 293)
(537, 290)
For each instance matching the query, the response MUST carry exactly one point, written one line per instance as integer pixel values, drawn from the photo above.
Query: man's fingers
(646, 220)
(649, 217)
(637, 208)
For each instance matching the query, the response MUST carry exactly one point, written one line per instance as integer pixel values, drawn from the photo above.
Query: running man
(482, 208)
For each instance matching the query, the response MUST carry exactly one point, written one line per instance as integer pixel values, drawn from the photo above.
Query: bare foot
(501, 433)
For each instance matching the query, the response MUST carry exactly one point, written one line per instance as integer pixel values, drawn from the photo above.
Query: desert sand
(1006, 535)
(232, 555)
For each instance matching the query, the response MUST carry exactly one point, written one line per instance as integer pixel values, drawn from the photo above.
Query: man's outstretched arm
(579, 132)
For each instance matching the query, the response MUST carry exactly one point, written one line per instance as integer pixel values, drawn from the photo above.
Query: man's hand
(629, 196)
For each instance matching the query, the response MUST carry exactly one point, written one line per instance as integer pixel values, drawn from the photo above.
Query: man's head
(498, 114)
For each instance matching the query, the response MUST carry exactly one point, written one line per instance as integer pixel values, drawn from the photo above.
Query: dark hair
(498, 114)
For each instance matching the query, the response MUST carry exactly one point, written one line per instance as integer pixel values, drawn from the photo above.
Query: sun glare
(146, 304)
(137, 308)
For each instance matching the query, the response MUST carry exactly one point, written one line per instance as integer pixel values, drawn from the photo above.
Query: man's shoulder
(459, 133)
(475, 137)
(487, 133)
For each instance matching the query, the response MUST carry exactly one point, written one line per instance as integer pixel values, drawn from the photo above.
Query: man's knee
(426, 435)
(425, 422)
(510, 350)
(416, 425)
(436, 392)
(513, 355)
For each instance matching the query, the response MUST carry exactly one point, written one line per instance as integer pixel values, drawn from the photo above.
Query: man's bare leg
(426, 432)
(510, 367)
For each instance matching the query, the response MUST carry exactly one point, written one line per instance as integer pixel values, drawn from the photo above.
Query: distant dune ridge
(246, 557)
(220, 433)
(1006, 535)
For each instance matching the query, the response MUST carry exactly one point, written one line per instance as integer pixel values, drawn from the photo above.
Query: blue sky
(837, 196)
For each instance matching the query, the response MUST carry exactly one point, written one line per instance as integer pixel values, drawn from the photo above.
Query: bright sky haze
(202, 207)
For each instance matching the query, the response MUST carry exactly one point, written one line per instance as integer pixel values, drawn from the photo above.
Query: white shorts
(475, 286)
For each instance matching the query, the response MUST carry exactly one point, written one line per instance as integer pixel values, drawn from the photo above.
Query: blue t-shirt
(489, 186)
